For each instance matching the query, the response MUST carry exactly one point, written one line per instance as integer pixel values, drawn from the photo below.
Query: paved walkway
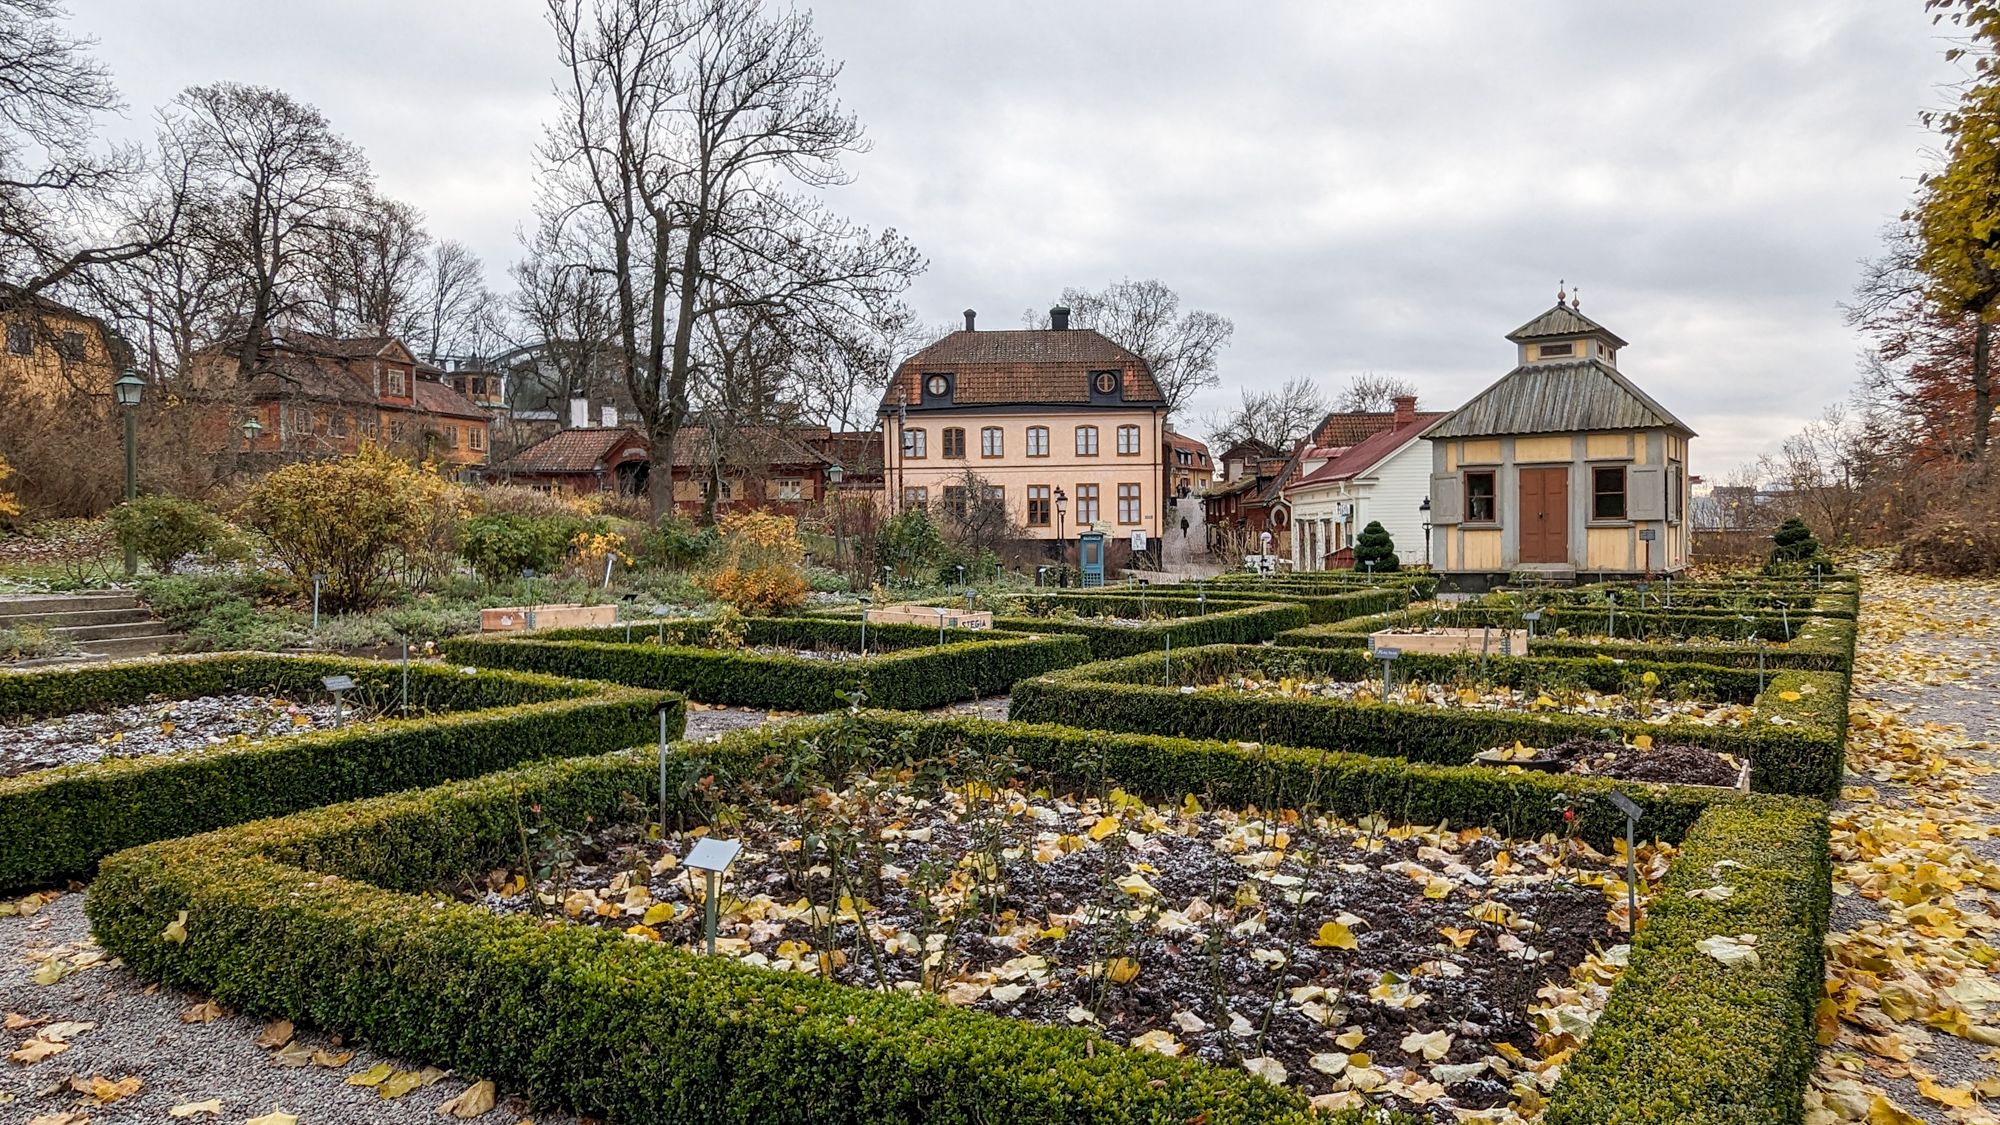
(1912, 1016)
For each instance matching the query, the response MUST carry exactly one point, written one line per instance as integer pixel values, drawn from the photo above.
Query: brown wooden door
(1544, 515)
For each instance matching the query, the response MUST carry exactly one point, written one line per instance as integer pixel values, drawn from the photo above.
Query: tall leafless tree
(1183, 349)
(270, 183)
(457, 312)
(691, 134)
(564, 317)
(1280, 419)
(1369, 392)
(369, 270)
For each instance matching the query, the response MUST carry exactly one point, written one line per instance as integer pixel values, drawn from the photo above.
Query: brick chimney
(1406, 410)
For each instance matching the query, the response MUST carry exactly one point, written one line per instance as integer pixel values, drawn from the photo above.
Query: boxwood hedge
(324, 918)
(56, 823)
(917, 672)
(1322, 605)
(1794, 745)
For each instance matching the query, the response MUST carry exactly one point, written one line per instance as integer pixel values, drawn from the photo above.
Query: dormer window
(1555, 351)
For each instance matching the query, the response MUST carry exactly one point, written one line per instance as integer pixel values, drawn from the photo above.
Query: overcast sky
(1385, 187)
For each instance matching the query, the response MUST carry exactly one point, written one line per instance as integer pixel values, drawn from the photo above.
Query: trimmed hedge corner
(918, 673)
(1224, 623)
(57, 823)
(1322, 605)
(1794, 746)
(325, 917)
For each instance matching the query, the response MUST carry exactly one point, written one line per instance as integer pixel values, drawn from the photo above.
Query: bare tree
(687, 128)
(1280, 419)
(269, 183)
(1182, 349)
(54, 185)
(1372, 393)
(457, 312)
(369, 269)
(564, 315)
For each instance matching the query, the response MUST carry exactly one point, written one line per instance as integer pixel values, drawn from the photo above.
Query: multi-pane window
(790, 488)
(1607, 486)
(395, 382)
(1553, 351)
(1038, 441)
(1480, 506)
(913, 443)
(1128, 503)
(475, 437)
(20, 339)
(1038, 505)
(916, 497)
(954, 500)
(1128, 439)
(451, 437)
(954, 441)
(70, 346)
(993, 494)
(1086, 505)
(1086, 441)
(337, 425)
(990, 442)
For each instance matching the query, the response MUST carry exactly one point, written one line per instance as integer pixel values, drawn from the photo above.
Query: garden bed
(1497, 698)
(904, 667)
(1126, 626)
(1794, 739)
(1322, 604)
(327, 917)
(143, 729)
(1666, 763)
(57, 822)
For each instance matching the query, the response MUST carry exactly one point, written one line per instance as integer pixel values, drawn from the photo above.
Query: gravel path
(139, 1032)
(162, 727)
(1923, 788)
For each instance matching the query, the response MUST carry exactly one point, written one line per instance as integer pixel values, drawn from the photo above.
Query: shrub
(1374, 545)
(10, 504)
(163, 529)
(33, 642)
(56, 823)
(501, 546)
(1794, 548)
(679, 544)
(1225, 623)
(345, 518)
(760, 563)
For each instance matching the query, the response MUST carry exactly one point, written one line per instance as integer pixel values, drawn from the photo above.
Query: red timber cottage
(1564, 468)
(1060, 425)
(318, 396)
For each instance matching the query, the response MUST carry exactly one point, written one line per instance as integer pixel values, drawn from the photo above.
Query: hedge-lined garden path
(1911, 1022)
(181, 1051)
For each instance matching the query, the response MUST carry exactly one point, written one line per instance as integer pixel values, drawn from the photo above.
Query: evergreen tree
(1374, 544)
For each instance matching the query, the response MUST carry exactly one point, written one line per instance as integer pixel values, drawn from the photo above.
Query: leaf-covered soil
(1666, 762)
(151, 1049)
(1427, 967)
(159, 727)
(1911, 1023)
(1493, 697)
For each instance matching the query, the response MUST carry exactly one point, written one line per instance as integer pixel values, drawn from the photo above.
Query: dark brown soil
(1671, 763)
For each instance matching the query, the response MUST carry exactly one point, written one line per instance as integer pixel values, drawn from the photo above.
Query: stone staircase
(103, 626)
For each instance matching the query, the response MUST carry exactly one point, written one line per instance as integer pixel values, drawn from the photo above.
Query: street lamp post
(834, 474)
(1424, 510)
(1062, 545)
(129, 389)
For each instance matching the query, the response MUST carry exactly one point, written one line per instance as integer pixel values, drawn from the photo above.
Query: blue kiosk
(1090, 557)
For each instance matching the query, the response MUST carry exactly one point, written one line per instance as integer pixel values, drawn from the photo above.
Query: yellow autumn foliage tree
(10, 505)
(759, 566)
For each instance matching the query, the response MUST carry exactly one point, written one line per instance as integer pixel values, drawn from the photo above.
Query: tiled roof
(569, 451)
(748, 446)
(1557, 398)
(1366, 454)
(1563, 320)
(444, 399)
(342, 347)
(1351, 428)
(858, 452)
(1023, 366)
(289, 376)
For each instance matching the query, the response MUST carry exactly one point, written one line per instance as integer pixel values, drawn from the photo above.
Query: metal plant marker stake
(406, 676)
(1632, 814)
(1170, 660)
(1531, 617)
(338, 685)
(712, 857)
(1388, 657)
(663, 773)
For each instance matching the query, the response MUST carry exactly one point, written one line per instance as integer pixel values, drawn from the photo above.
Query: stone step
(74, 618)
(122, 647)
(86, 635)
(31, 605)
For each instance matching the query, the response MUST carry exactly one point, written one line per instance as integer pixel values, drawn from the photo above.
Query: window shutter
(1447, 499)
(1646, 493)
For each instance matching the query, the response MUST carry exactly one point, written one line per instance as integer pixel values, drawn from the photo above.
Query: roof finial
(1576, 299)
(1562, 293)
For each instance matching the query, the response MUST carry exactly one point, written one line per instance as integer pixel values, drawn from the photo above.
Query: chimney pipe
(610, 416)
(579, 413)
(1406, 410)
(970, 316)
(1059, 319)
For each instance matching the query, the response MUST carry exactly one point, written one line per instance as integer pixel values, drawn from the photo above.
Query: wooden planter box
(514, 618)
(1452, 642)
(928, 615)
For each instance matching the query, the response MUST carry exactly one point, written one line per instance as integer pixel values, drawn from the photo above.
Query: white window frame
(1128, 441)
(1038, 441)
(992, 441)
(1086, 441)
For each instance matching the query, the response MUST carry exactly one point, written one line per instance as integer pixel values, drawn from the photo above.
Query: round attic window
(938, 385)
(1107, 382)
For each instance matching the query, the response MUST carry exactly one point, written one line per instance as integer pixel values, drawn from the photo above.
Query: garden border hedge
(1242, 624)
(919, 673)
(589, 1020)
(1322, 607)
(1796, 747)
(1821, 644)
(56, 823)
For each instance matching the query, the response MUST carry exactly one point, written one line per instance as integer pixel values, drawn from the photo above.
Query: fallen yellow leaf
(373, 1076)
(212, 1106)
(1333, 935)
(277, 1033)
(399, 1083)
(205, 1012)
(176, 930)
(275, 1117)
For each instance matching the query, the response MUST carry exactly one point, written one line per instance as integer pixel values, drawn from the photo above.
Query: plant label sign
(338, 683)
(1625, 805)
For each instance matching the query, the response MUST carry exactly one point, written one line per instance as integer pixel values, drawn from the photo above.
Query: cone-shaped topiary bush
(1374, 543)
